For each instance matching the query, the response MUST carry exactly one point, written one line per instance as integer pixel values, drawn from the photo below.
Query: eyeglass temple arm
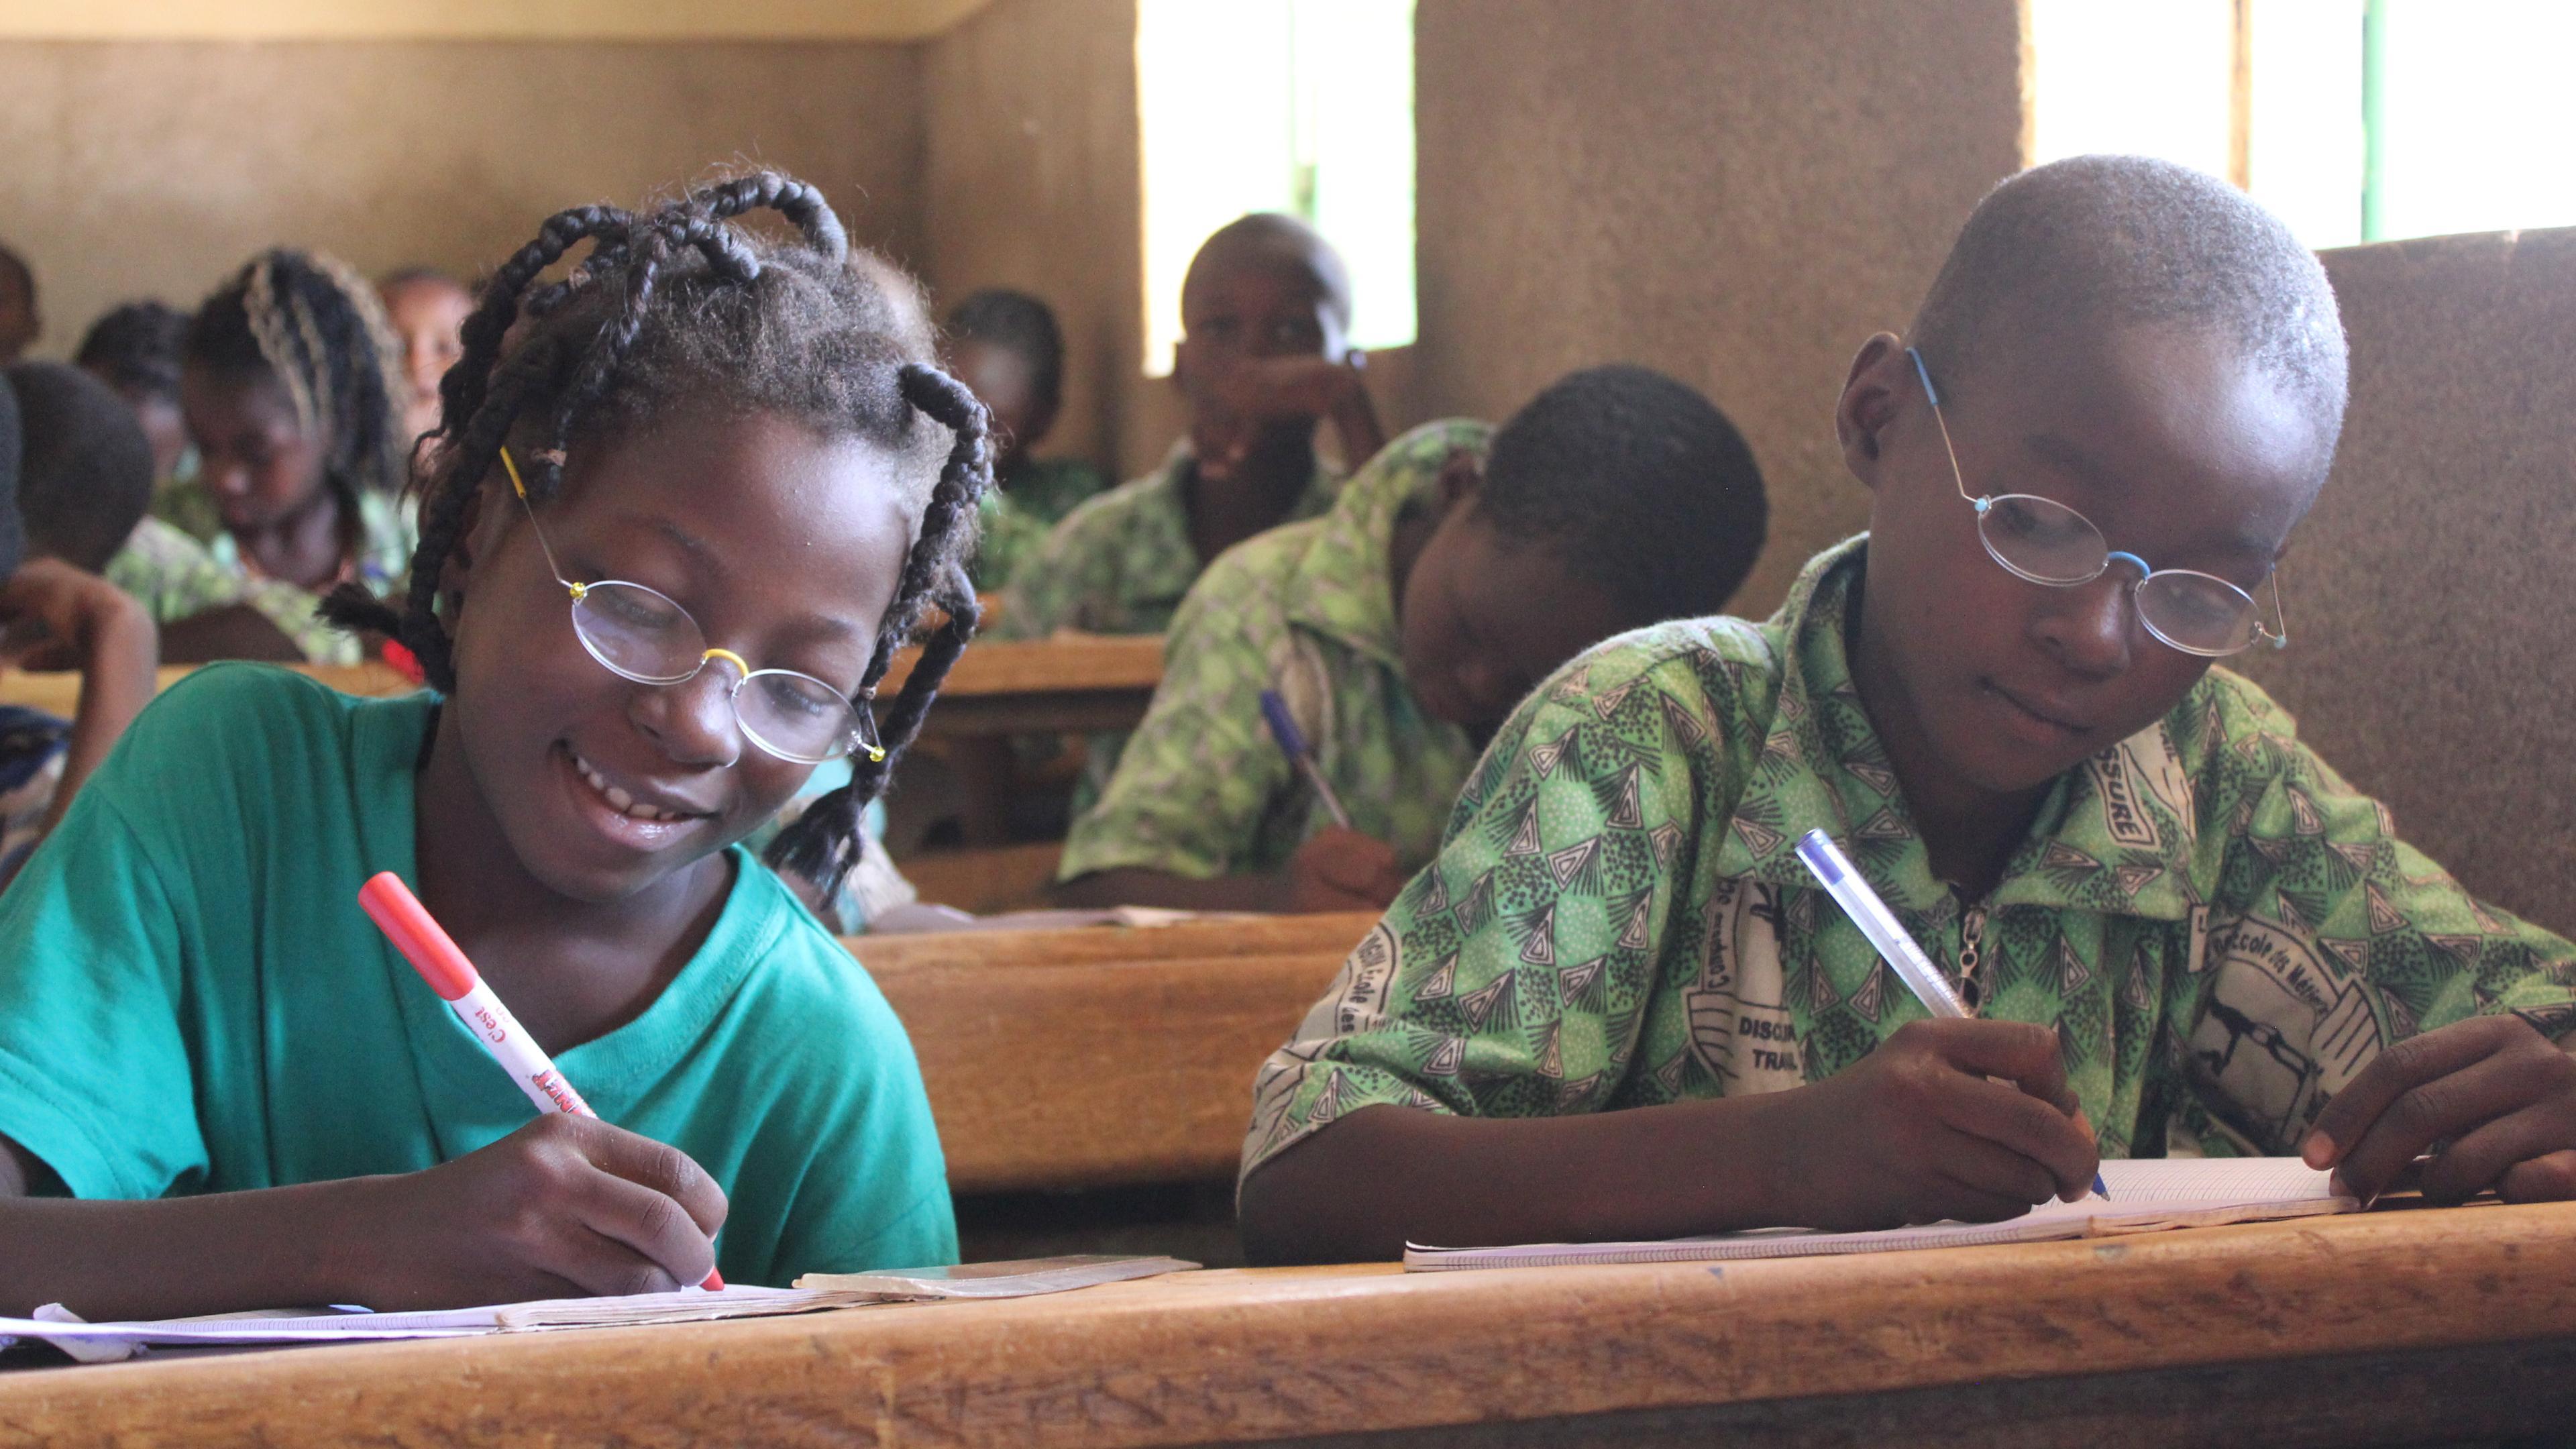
(510, 465)
(1932, 395)
(2280, 614)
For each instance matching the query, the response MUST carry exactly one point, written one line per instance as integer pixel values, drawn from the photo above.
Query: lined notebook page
(2147, 1195)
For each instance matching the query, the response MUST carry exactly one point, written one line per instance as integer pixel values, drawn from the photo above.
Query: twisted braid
(678, 306)
(822, 845)
(316, 326)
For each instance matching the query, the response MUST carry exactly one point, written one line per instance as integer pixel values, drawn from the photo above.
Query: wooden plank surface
(1070, 683)
(59, 693)
(1544, 1356)
(1092, 1058)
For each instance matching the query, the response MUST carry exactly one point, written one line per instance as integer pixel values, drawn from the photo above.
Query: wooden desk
(59, 693)
(1069, 684)
(2390, 1328)
(1092, 1058)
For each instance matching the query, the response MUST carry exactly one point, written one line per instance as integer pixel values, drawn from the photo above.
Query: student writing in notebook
(1615, 1006)
(744, 481)
(1399, 630)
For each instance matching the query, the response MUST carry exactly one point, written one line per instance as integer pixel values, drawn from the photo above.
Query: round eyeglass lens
(2044, 541)
(2197, 613)
(638, 633)
(801, 718)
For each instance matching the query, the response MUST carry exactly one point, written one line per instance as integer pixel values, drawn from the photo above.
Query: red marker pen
(434, 954)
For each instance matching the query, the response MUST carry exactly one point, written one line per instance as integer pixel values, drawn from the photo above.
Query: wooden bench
(1106, 1056)
(2391, 1327)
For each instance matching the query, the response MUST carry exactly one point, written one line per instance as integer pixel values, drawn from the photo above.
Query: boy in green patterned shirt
(1264, 356)
(1400, 629)
(1615, 1006)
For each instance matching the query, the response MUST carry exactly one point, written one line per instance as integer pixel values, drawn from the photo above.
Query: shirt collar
(2113, 836)
(1341, 588)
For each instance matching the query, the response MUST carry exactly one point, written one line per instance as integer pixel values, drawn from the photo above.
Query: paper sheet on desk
(816, 1293)
(2147, 1195)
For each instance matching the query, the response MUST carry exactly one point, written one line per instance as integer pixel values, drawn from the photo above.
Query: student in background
(1266, 314)
(75, 474)
(135, 349)
(737, 454)
(20, 322)
(1006, 346)
(1616, 1007)
(427, 309)
(295, 402)
(1400, 629)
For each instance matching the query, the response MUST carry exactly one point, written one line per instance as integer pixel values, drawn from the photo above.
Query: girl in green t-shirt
(687, 501)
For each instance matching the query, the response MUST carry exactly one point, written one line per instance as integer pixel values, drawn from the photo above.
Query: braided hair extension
(677, 305)
(316, 326)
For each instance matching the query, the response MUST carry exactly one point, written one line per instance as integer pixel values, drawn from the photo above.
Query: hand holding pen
(1337, 869)
(2000, 1085)
(567, 1198)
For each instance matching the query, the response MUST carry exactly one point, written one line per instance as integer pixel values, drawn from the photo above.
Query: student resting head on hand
(690, 497)
(1458, 568)
(1616, 1006)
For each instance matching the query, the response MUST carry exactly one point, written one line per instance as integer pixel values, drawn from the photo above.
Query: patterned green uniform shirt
(1306, 609)
(1014, 519)
(2220, 929)
(1120, 564)
(176, 576)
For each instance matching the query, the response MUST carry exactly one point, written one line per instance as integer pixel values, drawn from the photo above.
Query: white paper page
(434, 1323)
(2143, 1189)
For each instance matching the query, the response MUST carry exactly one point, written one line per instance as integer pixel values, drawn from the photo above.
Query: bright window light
(2149, 77)
(2354, 119)
(1301, 106)
(2472, 125)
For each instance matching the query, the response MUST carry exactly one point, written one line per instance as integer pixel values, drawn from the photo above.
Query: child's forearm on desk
(1358, 1190)
(171, 1256)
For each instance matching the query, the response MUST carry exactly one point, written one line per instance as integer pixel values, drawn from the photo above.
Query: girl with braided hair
(690, 494)
(291, 386)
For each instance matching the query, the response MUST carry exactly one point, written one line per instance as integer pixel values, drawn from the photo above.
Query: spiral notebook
(2147, 1195)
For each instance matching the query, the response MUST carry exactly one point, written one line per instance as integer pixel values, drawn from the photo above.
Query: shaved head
(1269, 241)
(2104, 242)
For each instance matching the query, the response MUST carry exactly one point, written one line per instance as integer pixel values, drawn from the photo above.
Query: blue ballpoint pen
(1292, 743)
(1844, 883)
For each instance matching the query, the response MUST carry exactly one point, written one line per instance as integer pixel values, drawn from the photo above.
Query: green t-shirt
(193, 1001)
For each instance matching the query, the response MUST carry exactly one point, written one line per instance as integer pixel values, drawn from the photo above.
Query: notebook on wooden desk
(2147, 1195)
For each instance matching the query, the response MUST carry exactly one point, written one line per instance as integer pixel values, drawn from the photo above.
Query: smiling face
(1484, 617)
(255, 459)
(784, 545)
(2175, 447)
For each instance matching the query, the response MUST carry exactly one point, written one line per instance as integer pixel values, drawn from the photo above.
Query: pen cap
(423, 942)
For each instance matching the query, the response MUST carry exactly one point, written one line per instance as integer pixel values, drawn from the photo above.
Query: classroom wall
(1735, 191)
(152, 167)
(1030, 180)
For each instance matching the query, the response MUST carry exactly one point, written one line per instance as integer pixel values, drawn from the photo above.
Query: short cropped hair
(137, 347)
(85, 468)
(1641, 485)
(1022, 325)
(2108, 241)
(1275, 239)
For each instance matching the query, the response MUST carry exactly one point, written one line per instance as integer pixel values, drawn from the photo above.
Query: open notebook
(2147, 1195)
(815, 1292)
